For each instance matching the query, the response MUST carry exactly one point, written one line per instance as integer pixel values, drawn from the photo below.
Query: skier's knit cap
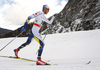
(45, 7)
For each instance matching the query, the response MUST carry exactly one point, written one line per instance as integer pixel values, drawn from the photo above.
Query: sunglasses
(48, 9)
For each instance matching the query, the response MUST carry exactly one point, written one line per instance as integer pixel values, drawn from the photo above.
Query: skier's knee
(42, 43)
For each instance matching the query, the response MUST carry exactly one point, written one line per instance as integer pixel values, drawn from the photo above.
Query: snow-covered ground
(70, 51)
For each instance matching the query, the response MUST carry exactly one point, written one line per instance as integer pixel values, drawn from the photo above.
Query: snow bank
(70, 51)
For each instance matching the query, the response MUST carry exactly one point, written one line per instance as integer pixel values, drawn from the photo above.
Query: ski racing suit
(39, 19)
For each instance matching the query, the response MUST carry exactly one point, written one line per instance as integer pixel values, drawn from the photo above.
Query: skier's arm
(30, 17)
(26, 22)
(47, 21)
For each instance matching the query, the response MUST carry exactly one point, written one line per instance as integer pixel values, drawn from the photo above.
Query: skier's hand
(23, 29)
(55, 15)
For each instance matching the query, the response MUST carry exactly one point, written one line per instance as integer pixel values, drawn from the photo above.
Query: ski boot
(40, 62)
(16, 52)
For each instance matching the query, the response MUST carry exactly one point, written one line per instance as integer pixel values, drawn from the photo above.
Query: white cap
(45, 6)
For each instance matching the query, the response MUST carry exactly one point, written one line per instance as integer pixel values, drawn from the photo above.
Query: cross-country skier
(34, 34)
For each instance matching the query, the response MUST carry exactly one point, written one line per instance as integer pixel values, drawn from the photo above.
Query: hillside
(69, 51)
(4, 31)
(77, 15)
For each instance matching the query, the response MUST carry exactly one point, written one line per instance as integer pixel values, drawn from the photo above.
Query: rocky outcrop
(77, 15)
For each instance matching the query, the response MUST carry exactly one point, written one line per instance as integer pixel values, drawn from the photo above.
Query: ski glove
(55, 15)
(23, 29)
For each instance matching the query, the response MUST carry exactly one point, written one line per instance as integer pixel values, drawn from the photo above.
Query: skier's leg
(27, 42)
(40, 50)
(23, 45)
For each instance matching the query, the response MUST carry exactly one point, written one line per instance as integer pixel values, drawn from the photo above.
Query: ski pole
(10, 42)
(44, 37)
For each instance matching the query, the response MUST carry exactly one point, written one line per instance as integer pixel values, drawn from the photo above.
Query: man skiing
(34, 34)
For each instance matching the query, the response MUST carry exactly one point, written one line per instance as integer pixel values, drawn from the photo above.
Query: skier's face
(46, 11)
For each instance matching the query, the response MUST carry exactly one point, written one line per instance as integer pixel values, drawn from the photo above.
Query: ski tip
(88, 62)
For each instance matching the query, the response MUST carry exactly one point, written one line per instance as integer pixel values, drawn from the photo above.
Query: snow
(78, 21)
(65, 51)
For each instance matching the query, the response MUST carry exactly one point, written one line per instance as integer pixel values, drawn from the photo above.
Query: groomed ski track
(70, 51)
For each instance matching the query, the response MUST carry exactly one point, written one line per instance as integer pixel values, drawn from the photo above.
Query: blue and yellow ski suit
(34, 34)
